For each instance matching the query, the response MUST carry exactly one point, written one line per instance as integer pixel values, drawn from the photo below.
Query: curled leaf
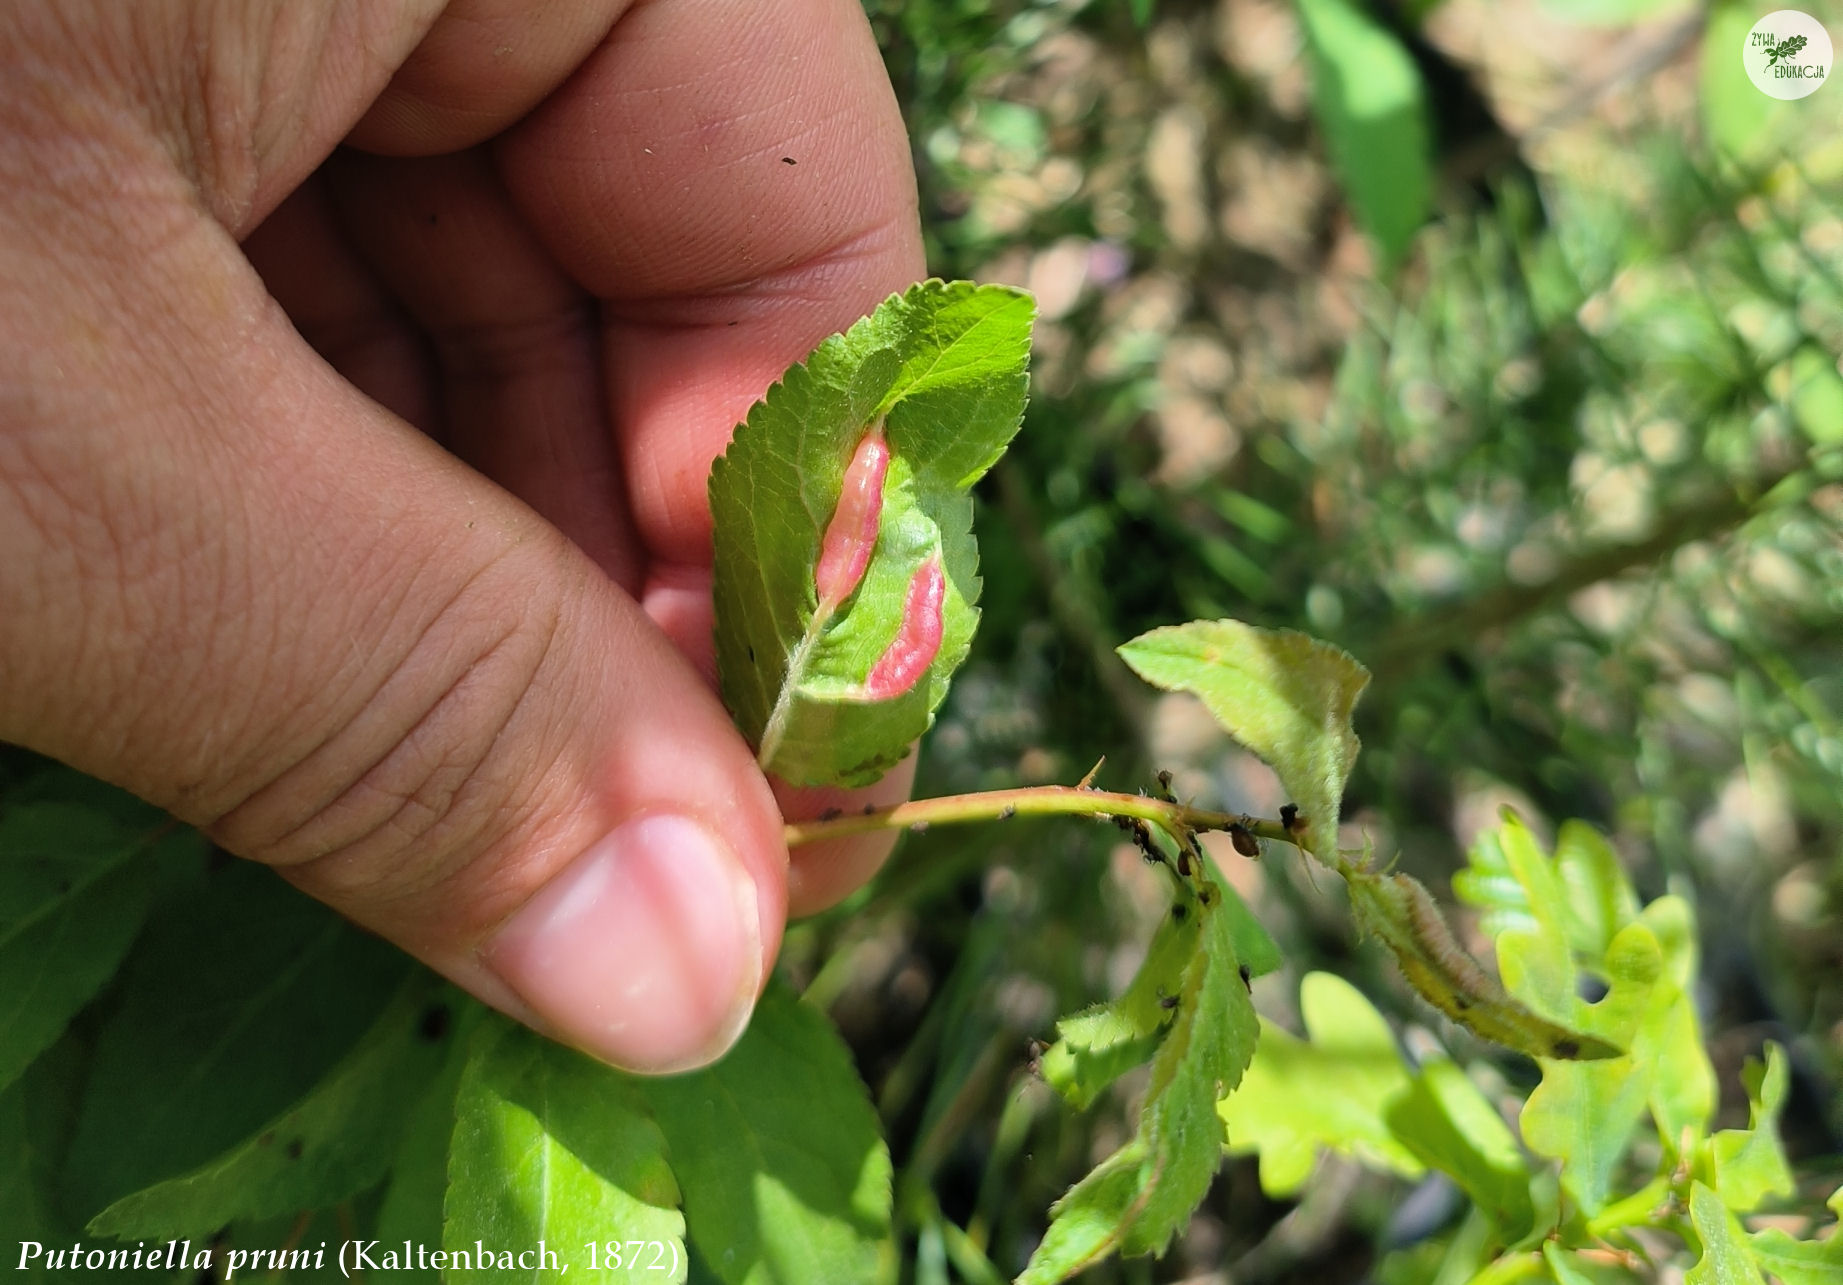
(1402, 914)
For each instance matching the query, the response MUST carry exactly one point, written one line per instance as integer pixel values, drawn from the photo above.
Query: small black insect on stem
(1290, 820)
(1007, 812)
(1245, 842)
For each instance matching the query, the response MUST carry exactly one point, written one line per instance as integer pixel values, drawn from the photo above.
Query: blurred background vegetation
(1496, 342)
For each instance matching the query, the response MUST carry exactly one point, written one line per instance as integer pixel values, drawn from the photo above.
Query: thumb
(240, 589)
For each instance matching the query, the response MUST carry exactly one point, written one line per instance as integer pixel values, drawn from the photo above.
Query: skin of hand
(360, 369)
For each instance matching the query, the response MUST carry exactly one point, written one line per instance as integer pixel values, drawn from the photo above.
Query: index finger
(733, 180)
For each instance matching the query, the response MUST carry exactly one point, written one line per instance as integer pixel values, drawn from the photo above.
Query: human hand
(251, 572)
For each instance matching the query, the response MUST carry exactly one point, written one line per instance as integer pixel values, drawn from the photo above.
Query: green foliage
(1372, 107)
(785, 1172)
(332, 1144)
(1525, 353)
(552, 1148)
(230, 1009)
(1138, 1198)
(1349, 1089)
(1332, 1089)
(81, 868)
(942, 367)
(1098, 1045)
(1284, 695)
(767, 1166)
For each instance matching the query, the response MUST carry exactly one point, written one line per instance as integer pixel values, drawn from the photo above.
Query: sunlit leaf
(1748, 1165)
(1738, 119)
(1584, 1114)
(1798, 1262)
(1669, 1042)
(1726, 1258)
(1448, 1125)
(784, 1170)
(552, 1147)
(1283, 694)
(1144, 1193)
(940, 372)
(1332, 1090)
(1372, 106)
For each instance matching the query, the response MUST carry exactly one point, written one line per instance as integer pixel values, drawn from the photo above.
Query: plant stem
(1036, 800)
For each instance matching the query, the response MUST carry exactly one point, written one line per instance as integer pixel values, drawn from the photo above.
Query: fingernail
(644, 951)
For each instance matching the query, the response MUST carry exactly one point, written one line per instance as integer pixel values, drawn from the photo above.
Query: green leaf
(75, 880)
(1748, 1165)
(1669, 1038)
(1600, 900)
(1739, 120)
(1798, 1262)
(552, 1147)
(1334, 1089)
(1371, 104)
(1726, 1259)
(25, 1211)
(1144, 1193)
(942, 366)
(36, 1112)
(231, 1008)
(1586, 892)
(1584, 1114)
(1254, 945)
(1098, 1045)
(334, 1143)
(1404, 917)
(785, 1174)
(1283, 694)
(1448, 1125)
(411, 1208)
